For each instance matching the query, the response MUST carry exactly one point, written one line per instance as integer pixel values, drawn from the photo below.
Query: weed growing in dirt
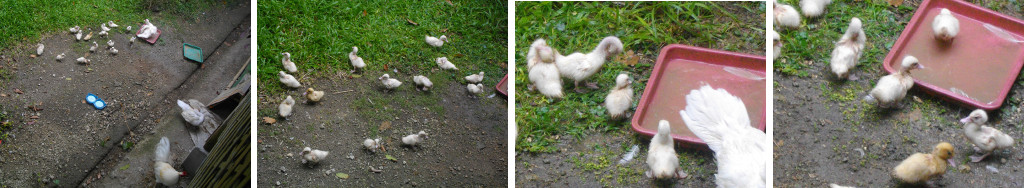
(643, 27)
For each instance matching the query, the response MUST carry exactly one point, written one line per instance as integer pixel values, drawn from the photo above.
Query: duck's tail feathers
(712, 114)
(163, 149)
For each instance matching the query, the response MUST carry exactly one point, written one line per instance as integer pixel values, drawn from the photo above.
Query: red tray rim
(498, 86)
(655, 77)
(151, 39)
(917, 21)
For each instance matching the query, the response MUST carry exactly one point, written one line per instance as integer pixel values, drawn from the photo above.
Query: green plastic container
(193, 53)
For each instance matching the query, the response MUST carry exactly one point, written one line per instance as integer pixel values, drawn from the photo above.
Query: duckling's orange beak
(950, 160)
(966, 119)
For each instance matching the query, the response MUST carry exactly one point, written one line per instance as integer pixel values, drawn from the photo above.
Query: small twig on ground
(343, 91)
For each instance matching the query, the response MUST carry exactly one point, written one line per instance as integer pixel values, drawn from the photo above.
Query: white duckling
(148, 30)
(162, 169)
(60, 57)
(132, 40)
(578, 66)
(543, 72)
(110, 43)
(415, 139)
(786, 15)
(39, 49)
(661, 155)
(721, 120)
(620, 98)
(357, 62)
(371, 144)
(111, 23)
(891, 89)
(475, 89)
(78, 36)
(288, 79)
(75, 29)
(313, 95)
(776, 43)
(388, 82)
(436, 42)
(986, 139)
(285, 108)
(113, 51)
(422, 82)
(475, 78)
(83, 60)
(128, 28)
(190, 113)
(445, 64)
(848, 50)
(288, 64)
(813, 8)
(87, 36)
(103, 27)
(102, 33)
(945, 25)
(312, 156)
(94, 46)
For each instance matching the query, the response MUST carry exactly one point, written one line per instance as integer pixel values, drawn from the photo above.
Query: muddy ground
(825, 134)
(58, 140)
(467, 145)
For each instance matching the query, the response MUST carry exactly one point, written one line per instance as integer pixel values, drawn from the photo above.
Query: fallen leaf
(895, 3)
(33, 117)
(69, 79)
(355, 76)
(385, 125)
(341, 175)
(18, 91)
(411, 22)
(449, 2)
(389, 157)
(269, 120)
(3, 95)
(445, 30)
(125, 167)
(364, 12)
(32, 56)
(629, 58)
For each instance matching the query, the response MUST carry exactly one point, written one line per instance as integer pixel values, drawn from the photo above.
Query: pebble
(278, 183)
(283, 170)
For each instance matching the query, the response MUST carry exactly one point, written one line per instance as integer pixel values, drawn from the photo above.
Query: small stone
(283, 170)
(278, 183)
(965, 168)
(289, 154)
(1003, 160)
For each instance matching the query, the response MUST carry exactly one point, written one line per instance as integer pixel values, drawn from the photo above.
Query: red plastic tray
(151, 39)
(682, 68)
(503, 86)
(977, 68)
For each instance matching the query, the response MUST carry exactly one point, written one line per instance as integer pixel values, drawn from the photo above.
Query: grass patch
(813, 41)
(643, 27)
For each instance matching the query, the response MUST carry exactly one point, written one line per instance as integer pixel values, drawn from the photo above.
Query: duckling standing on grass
(110, 43)
(891, 89)
(786, 16)
(75, 29)
(920, 167)
(475, 89)
(94, 46)
(475, 78)
(848, 50)
(436, 42)
(314, 95)
(776, 43)
(285, 108)
(578, 66)
(286, 61)
(814, 8)
(543, 72)
(78, 36)
(111, 23)
(388, 82)
(357, 62)
(422, 82)
(444, 64)
(87, 37)
(288, 79)
(985, 139)
(945, 25)
(620, 98)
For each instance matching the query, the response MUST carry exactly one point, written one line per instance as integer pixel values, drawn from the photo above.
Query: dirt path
(466, 147)
(69, 138)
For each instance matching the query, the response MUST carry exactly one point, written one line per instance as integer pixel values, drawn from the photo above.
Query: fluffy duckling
(415, 139)
(848, 50)
(285, 108)
(190, 113)
(132, 40)
(103, 27)
(720, 119)
(102, 33)
(110, 43)
(776, 43)
(111, 23)
(786, 15)
(88, 36)
(814, 8)
(94, 46)
(288, 79)
(60, 57)
(422, 82)
(78, 36)
(113, 51)
(388, 82)
(945, 25)
(445, 64)
(661, 155)
(543, 72)
(475, 78)
(891, 89)
(312, 156)
(39, 49)
(75, 29)
(371, 144)
(286, 60)
(985, 138)
(475, 89)
(578, 66)
(357, 62)
(436, 42)
(314, 95)
(162, 170)
(920, 167)
(620, 98)
(83, 60)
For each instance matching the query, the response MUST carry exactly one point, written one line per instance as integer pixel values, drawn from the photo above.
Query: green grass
(320, 34)
(813, 42)
(643, 27)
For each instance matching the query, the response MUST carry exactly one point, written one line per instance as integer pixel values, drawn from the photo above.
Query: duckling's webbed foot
(976, 158)
(592, 85)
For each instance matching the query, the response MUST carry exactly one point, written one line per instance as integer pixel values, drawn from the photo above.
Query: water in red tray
(975, 64)
(680, 76)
